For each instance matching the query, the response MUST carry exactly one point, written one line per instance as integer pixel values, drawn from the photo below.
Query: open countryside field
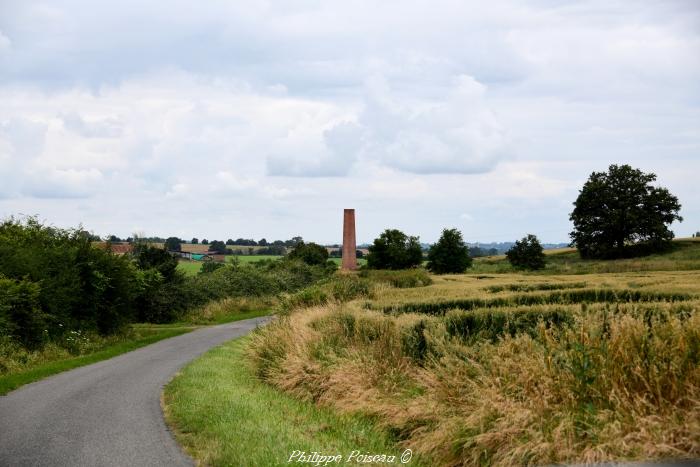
(193, 267)
(570, 365)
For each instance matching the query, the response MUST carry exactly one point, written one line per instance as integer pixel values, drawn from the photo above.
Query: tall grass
(579, 384)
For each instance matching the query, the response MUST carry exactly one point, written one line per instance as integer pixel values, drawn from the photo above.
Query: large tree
(394, 249)
(620, 213)
(450, 255)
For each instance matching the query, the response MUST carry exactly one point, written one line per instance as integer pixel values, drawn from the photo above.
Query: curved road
(107, 413)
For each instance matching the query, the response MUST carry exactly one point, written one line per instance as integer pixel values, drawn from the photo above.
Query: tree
(205, 241)
(310, 253)
(173, 244)
(230, 242)
(450, 255)
(527, 253)
(262, 242)
(217, 246)
(393, 249)
(620, 213)
(194, 241)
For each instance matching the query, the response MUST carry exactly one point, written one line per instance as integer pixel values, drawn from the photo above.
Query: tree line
(617, 214)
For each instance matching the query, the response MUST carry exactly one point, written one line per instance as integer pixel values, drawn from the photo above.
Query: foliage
(194, 241)
(310, 253)
(217, 246)
(527, 253)
(57, 277)
(393, 249)
(620, 213)
(210, 266)
(450, 255)
(400, 279)
(173, 244)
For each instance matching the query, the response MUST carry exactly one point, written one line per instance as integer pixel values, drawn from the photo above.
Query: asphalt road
(107, 413)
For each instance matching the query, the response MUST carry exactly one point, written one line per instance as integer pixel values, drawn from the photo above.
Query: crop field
(510, 368)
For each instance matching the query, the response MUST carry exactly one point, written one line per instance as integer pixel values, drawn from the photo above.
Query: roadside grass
(19, 366)
(53, 360)
(223, 415)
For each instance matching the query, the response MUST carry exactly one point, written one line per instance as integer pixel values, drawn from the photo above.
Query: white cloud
(280, 115)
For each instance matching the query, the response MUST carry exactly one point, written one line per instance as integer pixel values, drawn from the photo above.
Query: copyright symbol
(406, 456)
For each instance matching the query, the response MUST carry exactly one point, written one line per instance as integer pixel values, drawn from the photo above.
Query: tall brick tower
(349, 245)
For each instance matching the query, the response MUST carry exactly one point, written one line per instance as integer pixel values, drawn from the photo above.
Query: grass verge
(14, 380)
(223, 415)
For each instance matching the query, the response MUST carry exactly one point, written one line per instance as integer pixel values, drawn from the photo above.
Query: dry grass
(504, 385)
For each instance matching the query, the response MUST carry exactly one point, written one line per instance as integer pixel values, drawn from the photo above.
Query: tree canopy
(527, 253)
(173, 244)
(310, 253)
(620, 213)
(450, 255)
(394, 249)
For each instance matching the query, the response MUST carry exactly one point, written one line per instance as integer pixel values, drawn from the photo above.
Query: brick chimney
(349, 244)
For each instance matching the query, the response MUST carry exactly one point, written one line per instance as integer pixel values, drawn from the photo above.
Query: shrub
(399, 279)
(20, 312)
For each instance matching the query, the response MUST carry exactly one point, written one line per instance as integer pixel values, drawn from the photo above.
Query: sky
(256, 119)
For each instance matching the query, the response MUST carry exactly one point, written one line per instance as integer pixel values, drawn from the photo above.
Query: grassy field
(492, 368)
(223, 415)
(193, 267)
(684, 255)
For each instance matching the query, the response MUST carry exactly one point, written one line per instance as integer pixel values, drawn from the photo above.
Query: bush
(20, 312)
(399, 279)
(527, 253)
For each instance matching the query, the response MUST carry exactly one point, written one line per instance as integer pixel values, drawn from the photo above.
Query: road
(107, 413)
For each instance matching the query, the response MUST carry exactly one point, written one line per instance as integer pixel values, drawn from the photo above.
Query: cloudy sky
(258, 119)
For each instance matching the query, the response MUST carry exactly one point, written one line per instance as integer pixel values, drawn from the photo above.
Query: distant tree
(205, 241)
(393, 249)
(697, 235)
(310, 253)
(492, 252)
(278, 243)
(294, 241)
(194, 241)
(450, 255)
(114, 239)
(527, 254)
(358, 254)
(217, 246)
(230, 242)
(262, 242)
(173, 244)
(619, 213)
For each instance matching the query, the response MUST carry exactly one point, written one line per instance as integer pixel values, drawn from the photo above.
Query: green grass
(191, 268)
(223, 415)
(683, 256)
(144, 335)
